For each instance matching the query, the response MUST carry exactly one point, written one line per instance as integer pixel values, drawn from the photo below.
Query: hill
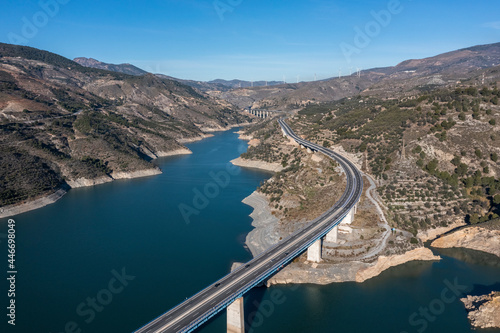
(62, 123)
(433, 155)
(404, 79)
(121, 68)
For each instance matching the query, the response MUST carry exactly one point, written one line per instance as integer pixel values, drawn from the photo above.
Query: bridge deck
(196, 310)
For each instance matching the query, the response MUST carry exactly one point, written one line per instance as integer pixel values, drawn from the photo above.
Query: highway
(196, 310)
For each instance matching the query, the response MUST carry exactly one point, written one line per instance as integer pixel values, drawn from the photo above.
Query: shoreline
(254, 164)
(265, 234)
(476, 237)
(45, 200)
(13, 210)
(16, 209)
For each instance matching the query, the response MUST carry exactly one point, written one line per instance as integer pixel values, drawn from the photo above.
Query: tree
(494, 157)
(496, 199)
(474, 219)
(478, 153)
(456, 160)
(431, 166)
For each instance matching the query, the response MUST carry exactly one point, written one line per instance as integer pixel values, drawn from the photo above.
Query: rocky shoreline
(13, 210)
(180, 151)
(475, 238)
(383, 262)
(255, 164)
(483, 311)
(431, 234)
(266, 234)
(17, 209)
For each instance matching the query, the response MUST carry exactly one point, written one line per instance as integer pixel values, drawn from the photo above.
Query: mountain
(65, 124)
(214, 85)
(433, 154)
(121, 68)
(245, 84)
(219, 85)
(406, 78)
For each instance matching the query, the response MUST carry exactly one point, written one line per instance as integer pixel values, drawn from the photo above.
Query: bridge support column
(350, 216)
(314, 252)
(236, 317)
(331, 237)
(235, 312)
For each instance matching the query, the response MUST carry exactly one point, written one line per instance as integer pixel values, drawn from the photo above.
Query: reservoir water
(112, 257)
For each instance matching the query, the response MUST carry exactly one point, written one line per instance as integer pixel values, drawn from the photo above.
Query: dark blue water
(112, 257)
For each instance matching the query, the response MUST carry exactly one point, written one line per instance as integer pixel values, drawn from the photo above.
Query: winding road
(196, 310)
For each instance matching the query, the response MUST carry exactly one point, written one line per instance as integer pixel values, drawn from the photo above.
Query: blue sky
(251, 39)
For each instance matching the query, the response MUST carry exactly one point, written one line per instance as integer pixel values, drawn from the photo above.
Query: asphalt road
(196, 310)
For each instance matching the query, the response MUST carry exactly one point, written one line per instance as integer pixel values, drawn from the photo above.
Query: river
(111, 258)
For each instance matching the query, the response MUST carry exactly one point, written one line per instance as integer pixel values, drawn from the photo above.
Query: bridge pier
(236, 317)
(350, 216)
(332, 236)
(236, 312)
(314, 252)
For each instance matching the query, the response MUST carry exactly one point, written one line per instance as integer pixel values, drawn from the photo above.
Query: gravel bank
(265, 233)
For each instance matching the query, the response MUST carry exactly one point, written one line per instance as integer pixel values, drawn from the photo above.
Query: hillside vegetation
(434, 155)
(61, 122)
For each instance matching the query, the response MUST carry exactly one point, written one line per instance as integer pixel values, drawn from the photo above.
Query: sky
(291, 40)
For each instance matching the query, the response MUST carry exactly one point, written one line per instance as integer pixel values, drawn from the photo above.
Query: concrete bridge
(263, 113)
(229, 290)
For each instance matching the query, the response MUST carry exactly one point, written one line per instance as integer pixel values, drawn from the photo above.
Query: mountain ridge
(62, 123)
(121, 68)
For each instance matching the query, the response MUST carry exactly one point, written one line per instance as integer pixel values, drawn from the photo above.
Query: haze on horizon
(251, 40)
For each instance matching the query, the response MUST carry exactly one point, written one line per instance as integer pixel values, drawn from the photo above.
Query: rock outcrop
(484, 311)
(475, 238)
